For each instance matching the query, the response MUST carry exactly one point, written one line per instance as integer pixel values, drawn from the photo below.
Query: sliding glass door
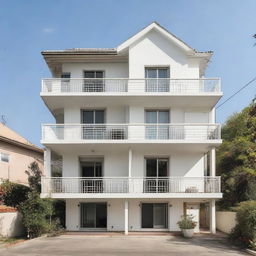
(154, 215)
(160, 118)
(94, 81)
(93, 215)
(157, 79)
(156, 174)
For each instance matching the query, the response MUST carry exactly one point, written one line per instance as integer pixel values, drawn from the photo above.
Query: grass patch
(9, 241)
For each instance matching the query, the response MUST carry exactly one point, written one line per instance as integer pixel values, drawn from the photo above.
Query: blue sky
(28, 27)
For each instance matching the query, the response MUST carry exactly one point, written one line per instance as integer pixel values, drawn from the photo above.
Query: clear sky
(27, 27)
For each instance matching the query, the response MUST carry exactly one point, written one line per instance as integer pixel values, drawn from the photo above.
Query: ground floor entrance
(139, 215)
(93, 215)
(154, 215)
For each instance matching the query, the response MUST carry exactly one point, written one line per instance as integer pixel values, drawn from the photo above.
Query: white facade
(134, 126)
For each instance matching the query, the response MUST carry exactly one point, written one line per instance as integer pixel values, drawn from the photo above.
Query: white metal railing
(123, 85)
(131, 185)
(131, 132)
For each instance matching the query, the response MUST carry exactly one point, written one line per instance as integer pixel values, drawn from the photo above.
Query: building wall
(19, 160)
(115, 213)
(111, 70)
(154, 50)
(116, 164)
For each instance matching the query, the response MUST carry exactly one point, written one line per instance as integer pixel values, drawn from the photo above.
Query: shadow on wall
(11, 225)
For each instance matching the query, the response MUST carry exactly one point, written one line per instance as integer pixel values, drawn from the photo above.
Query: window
(4, 157)
(159, 118)
(65, 82)
(92, 131)
(157, 79)
(93, 81)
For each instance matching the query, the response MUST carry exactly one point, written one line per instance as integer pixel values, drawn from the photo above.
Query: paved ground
(78, 245)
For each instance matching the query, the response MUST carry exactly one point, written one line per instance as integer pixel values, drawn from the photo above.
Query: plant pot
(188, 233)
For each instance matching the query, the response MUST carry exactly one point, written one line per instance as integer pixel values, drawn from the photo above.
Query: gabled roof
(10, 136)
(167, 34)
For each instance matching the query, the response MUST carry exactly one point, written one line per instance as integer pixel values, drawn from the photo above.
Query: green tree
(13, 194)
(36, 214)
(34, 176)
(236, 158)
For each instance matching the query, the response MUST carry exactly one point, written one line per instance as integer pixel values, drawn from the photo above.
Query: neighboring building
(134, 128)
(16, 154)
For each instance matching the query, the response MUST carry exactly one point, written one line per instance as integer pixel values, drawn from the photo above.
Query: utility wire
(236, 92)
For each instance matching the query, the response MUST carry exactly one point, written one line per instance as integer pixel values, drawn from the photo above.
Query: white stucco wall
(225, 221)
(115, 213)
(11, 225)
(111, 70)
(155, 50)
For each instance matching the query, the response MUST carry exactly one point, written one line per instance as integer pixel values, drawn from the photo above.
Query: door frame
(167, 216)
(92, 229)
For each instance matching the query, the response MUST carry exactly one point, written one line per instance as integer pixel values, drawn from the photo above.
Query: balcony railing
(131, 185)
(129, 132)
(126, 85)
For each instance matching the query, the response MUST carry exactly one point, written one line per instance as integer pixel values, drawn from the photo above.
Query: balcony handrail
(135, 124)
(171, 184)
(125, 177)
(133, 79)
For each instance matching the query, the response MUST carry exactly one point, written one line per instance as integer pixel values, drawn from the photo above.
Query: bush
(186, 222)
(244, 232)
(13, 194)
(34, 176)
(59, 212)
(36, 214)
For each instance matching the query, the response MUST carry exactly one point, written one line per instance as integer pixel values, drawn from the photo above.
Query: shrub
(245, 230)
(186, 222)
(13, 194)
(36, 214)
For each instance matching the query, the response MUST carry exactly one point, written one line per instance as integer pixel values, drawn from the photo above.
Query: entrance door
(93, 171)
(154, 215)
(156, 173)
(93, 215)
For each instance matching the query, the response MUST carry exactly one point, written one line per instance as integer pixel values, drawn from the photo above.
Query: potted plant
(187, 225)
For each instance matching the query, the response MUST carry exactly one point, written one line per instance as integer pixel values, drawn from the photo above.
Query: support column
(130, 163)
(47, 162)
(126, 216)
(213, 162)
(212, 216)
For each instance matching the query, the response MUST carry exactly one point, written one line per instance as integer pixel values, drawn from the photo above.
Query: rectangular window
(93, 81)
(93, 130)
(157, 79)
(4, 157)
(65, 82)
(160, 118)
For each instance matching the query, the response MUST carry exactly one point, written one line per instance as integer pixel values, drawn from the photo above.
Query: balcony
(130, 133)
(131, 187)
(126, 86)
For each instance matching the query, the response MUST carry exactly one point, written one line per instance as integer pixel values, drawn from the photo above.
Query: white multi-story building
(135, 134)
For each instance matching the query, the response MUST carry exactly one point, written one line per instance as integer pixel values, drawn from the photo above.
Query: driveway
(69, 245)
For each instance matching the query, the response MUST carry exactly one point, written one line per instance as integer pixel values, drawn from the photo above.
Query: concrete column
(130, 164)
(126, 217)
(212, 216)
(213, 162)
(47, 162)
(212, 116)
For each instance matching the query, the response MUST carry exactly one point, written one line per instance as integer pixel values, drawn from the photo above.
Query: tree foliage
(245, 232)
(34, 176)
(13, 194)
(236, 158)
(36, 214)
